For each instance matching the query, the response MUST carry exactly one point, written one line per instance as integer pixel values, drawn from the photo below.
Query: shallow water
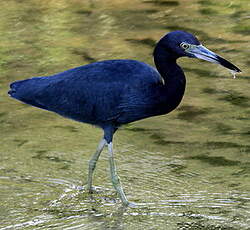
(186, 170)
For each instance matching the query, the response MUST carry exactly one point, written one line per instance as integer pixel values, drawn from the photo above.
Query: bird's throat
(167, 67)
(173, 76)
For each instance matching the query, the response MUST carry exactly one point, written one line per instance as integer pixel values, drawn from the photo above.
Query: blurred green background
(189, 169)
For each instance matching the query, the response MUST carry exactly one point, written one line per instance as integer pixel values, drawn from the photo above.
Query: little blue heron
(111, 93)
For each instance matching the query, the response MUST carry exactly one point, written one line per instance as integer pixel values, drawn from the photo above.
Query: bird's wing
(93, 93)
(141, 102)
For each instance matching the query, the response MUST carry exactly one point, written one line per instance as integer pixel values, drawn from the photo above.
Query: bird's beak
(201, 52)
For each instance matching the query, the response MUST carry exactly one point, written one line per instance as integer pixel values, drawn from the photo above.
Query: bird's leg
(114, 177)
(92, 163)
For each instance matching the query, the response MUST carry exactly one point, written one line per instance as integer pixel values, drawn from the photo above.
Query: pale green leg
(114, 177)
(92, 164)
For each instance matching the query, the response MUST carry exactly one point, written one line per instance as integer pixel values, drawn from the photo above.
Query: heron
(112, 93)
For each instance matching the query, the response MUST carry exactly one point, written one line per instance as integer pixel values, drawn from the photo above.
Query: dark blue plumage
(99, 93)
(111, 93)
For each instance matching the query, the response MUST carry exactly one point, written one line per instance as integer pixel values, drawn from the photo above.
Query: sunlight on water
(186, 170)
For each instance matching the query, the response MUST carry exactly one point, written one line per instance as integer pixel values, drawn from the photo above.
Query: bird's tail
(26, 91)
(15, 89)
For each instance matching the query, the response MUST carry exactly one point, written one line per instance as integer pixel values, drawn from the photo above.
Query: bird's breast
(171, 95)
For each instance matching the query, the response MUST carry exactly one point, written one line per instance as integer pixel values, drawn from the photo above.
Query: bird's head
(181, 44)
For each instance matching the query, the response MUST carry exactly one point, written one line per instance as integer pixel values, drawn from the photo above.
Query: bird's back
(96, 93)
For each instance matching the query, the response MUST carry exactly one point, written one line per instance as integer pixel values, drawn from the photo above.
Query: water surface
(186, 170)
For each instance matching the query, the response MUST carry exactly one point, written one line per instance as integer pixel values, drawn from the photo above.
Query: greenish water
(187, 170)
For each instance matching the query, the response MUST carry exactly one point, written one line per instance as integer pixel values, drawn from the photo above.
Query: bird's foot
(130, 204)
(93, 189)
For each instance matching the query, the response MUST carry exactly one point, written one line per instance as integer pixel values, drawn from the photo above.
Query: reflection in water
(190, 168)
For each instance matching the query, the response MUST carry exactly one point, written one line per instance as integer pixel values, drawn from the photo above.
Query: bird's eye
(184, 45)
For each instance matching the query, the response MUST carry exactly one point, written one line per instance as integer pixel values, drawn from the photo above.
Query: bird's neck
(173, 89)
(166, 65)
